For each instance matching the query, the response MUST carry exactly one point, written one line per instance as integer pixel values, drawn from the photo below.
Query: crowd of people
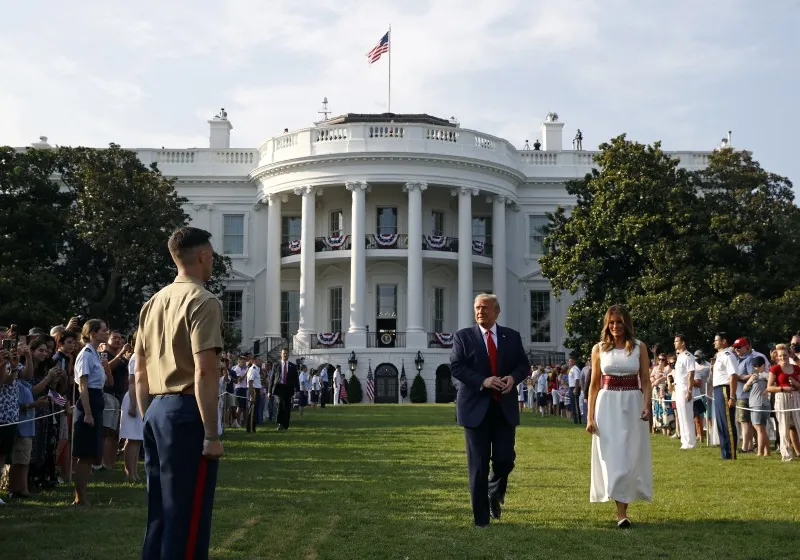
(767, 394)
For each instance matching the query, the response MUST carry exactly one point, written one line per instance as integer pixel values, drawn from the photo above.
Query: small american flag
(57, 399)
(382, 47)
(370, 385)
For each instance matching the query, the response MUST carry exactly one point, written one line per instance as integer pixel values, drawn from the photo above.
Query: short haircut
(184, 240)
(722, 335)
(573, 356)
(66, 335)
(681, 337)
(491, 297)
(759, 361)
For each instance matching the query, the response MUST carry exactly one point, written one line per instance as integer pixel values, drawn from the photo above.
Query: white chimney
(551, 133)
(41, 144)
(220, 131)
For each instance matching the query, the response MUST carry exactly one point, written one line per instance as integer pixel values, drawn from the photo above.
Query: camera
(8, 344)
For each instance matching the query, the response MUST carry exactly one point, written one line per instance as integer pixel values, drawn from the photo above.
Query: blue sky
(149, 74)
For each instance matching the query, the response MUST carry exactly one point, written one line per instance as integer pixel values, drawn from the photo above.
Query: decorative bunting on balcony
(444, 338)
(435, 241)
(336, 241)
(478, 247)
(328, 338)
(294, 246)
(386, 239)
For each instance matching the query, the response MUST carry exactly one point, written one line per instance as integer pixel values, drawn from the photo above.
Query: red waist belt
(620, 382)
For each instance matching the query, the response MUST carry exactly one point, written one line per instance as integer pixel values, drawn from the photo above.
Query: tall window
(387, 220)
(540, 316)
(336, 223)
(233, 234)
(232, 310)
(536, 225)
(336, 309)
(438, 224)
(291, 226)
(290, 313)
(438, 310)
(387, 301)
(482, 229)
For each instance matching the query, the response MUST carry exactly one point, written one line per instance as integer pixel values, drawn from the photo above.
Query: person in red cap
(745, 353)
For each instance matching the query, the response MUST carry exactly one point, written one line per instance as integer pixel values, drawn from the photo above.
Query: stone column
(357, 333)
(273, 270)
(499, 251)
(466, 315)
(307, 268)
(416, 336)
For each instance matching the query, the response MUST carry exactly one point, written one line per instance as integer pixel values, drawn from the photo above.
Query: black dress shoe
(494, 508)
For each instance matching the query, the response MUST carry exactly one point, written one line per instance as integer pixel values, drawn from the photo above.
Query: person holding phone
(619, 412)
(90, 376)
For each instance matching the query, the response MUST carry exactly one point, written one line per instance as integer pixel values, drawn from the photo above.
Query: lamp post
(419, 361)
(352, 362)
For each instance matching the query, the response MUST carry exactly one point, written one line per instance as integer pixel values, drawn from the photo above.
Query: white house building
(368, 236)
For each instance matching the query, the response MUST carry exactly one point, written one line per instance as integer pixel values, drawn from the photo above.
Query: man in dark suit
(489, 362)
(285, 381)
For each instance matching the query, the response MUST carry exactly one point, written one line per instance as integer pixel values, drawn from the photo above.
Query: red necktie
(492, 350)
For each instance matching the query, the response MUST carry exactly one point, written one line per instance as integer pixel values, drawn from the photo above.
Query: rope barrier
(35, 419)
(739, 407)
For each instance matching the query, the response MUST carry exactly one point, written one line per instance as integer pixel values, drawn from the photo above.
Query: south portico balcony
(384, 242)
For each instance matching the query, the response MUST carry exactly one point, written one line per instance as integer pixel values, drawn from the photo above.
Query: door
(445, 392)
(386, 321)
(386, 384)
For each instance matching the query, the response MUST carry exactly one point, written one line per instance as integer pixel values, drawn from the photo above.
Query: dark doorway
(445, 392)
(386, 382)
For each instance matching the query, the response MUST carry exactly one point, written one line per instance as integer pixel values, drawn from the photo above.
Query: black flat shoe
(495, 508)
(624, 523)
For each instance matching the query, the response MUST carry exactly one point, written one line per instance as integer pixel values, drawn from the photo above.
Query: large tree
(108, 234)
(686, 252)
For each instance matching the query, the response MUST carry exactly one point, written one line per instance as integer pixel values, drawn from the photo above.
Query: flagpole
(390, 69)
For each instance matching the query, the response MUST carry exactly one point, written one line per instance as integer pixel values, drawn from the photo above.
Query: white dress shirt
(254, 375)
(485, 338)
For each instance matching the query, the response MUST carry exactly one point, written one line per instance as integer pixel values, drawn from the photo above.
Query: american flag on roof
(370, 385)
(382, 47)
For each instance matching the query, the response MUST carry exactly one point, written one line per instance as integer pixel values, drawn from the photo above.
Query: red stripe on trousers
(197, 508)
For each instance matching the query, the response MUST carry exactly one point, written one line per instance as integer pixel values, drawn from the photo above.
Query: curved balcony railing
(332, 243)
(324, 341)
(387, 241)
(386, 339)
(290, 248)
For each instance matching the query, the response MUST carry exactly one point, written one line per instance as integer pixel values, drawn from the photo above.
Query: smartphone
(8, 344)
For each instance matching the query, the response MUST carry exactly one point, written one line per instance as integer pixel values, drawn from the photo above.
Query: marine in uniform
(177, 385)
(254, 394)
(725, 378)
(683, 376)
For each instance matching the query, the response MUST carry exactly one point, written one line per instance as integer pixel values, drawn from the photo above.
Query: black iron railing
(439, 341)
(332, 243)
(440, 243)
(290, 248)
(546, 357)
(386, 339)
(329, 341)
(389, 241)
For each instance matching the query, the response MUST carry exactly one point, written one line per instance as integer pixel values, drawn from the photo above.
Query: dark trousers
(284, 395)
(253, 414)
(270, 408)
(323, 397)
(573, 406)
(726, 422)
(180, 481)
(493, 439)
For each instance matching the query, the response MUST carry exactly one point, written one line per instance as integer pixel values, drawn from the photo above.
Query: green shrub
(419, 393)
(354, 392)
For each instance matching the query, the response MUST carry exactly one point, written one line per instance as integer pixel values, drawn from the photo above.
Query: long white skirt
(622, 468)
(130, 427)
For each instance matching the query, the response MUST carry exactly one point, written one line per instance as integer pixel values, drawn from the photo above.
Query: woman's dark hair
(89, 328)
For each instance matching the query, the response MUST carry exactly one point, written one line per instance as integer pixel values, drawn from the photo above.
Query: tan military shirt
(178, 322)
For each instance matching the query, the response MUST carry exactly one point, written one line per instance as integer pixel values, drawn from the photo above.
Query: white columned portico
(307, 268)
(416, 336)
(499, 250)
(465, 312)
(273, 272)
(357, 333)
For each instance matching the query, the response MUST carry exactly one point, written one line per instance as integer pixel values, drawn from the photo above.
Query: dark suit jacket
(292, 377)
(469, 364)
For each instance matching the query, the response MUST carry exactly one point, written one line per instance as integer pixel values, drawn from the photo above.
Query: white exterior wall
(219, 181)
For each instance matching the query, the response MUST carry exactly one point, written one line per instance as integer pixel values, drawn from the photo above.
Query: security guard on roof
(725, 379)
(177, 386)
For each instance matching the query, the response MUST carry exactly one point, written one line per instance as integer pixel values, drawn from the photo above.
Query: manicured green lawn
(390, 482)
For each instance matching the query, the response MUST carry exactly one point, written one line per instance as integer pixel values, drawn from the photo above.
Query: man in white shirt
(253, 380)
(699, 391)
(323, 376)
(725, 378)
(240, 390)
(337, 385)
(683, 378)
(542, 398)
(573, 381)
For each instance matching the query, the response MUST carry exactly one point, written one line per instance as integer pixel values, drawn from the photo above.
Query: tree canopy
(686, 252)
(86, 230)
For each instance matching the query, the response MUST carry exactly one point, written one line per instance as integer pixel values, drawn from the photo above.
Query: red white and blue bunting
(328, 338)
(478, 247)
(336, 241)
(386, 239)
(435, 241)
(294, 246)
(444, 338)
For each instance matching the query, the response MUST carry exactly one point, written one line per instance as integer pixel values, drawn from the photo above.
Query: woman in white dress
(619, 411)
(131, 425)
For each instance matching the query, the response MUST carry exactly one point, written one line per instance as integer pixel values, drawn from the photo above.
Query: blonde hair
(490, 297)
(607, 339)
(89, 328)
